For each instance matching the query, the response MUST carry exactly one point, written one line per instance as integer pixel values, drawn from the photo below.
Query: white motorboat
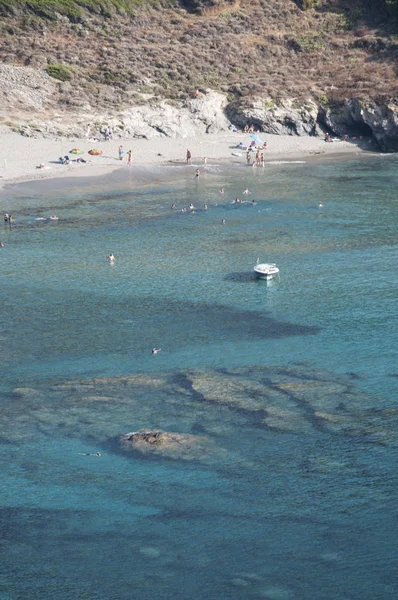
(265, 270)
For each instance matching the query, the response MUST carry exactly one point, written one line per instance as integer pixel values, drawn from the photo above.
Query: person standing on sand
(129, 158)
(88, 132)
(189, 157)
(121, 152)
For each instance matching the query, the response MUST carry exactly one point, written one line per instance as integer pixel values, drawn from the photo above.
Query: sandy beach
(20, 156)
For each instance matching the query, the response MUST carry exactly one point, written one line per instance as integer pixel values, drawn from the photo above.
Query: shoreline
(20, 156)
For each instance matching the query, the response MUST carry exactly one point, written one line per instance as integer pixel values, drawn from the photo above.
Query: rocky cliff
(137, 66)
(210, 112)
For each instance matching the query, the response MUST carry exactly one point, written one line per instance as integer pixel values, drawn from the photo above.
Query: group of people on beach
(129, 155)
(66, 160)
(259, 160)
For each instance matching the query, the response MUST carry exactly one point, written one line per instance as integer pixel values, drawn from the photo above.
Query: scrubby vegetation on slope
(107, 53)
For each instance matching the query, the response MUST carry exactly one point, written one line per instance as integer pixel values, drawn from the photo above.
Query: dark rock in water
(198, 428)
(353, 375)
(155, 442)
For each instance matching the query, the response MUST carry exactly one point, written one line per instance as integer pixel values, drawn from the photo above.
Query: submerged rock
(150, 552)
(155, 442)
(209, 404)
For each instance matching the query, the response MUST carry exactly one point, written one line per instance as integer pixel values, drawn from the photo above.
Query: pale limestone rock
(287, 117)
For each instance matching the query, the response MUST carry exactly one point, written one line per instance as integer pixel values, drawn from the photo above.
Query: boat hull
(265, 275)
(265, 271)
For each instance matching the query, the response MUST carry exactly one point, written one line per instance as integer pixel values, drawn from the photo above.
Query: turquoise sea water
(293, 383)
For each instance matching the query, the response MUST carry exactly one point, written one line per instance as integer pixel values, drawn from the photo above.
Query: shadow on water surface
(126, 324)
(240, 277)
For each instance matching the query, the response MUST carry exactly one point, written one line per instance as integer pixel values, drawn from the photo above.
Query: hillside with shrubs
(110, 54)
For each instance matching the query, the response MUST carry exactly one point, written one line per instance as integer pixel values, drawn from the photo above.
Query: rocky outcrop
(355, 118)
(152, 118)
(158, 443)
(222, 411)
(287, 117)
(33, 92)
(196, 116)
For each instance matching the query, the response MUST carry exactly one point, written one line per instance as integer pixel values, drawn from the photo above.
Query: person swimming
(191, 207)
(246, 191)
(222, 191)
(90, 453)
(111, 258)
(205, 207)
(320, 205)
(155, 351)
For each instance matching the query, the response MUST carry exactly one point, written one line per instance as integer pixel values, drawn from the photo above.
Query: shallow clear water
(293, 503)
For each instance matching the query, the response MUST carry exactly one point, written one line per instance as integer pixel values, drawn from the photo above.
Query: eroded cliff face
(365, 118)
(288, 117)
(353, 118)
(208, 112)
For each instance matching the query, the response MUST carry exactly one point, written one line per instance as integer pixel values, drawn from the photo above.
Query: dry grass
(251, 47)
(220, 10)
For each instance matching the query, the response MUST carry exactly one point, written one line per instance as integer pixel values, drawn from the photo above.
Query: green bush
(60, 72)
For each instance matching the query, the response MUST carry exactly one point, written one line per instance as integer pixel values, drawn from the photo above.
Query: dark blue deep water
(289, 387)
